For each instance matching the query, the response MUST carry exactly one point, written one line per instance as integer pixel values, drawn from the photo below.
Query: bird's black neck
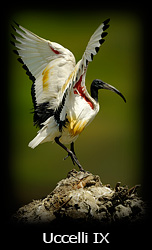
(94, 92)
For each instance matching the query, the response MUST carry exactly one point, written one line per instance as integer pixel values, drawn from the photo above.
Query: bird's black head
(98, 84)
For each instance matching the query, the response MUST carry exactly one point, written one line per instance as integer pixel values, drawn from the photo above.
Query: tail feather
(36, 141)
(46, 134)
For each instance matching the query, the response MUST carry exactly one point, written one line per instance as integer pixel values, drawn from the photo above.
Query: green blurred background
(111, 145)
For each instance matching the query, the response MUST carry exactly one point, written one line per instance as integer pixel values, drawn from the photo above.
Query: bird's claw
(74, 160)
(71, 158)
(66, 157)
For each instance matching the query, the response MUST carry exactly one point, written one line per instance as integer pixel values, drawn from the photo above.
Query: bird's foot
(74, 160)
(67, 158)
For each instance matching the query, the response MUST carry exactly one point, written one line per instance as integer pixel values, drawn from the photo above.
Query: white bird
(62, 105)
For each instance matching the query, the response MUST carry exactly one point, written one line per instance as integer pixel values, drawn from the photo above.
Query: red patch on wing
(55, 51)
(81, 92)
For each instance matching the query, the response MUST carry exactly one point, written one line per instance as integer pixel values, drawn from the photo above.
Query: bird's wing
(52, 69)
(75, 83)
(77, 77)
(47, 63)
(92, 49)
(35, 51)
(95, 42)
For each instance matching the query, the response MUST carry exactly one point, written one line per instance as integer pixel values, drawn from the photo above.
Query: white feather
(57, 74)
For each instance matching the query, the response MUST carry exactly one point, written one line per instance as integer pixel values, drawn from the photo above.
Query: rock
(82, 196)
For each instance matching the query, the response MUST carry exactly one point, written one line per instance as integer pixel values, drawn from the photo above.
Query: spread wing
(95, 42)
(35, 51)
(52, 69)
(78, 75)
(75, 83)
(48, 65)
(92, 49)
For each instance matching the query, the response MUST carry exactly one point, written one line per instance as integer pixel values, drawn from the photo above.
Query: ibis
(62, 106)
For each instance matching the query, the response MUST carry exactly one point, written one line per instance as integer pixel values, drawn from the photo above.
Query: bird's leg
(70, 153)
(72, 149)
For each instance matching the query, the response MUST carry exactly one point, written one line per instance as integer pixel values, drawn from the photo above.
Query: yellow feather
(75, 126)
(45, 74)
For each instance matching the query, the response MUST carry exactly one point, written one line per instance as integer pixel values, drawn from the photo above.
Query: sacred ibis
(62, 105)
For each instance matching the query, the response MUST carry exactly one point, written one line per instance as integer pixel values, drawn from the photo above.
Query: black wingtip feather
(13, 36)
(16, 23)
(96, 49)
(106, 21)
(12, 43)
(13, 27)
(104, 34)
(105, 27)
(20, 60)
(16, 52)
(101, 41)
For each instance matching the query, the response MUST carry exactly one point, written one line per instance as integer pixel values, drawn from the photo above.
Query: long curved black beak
(109, 87)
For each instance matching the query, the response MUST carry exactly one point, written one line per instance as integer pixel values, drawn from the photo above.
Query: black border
(120, 235)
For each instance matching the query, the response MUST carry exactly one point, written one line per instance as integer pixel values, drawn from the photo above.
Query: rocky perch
(82, 197)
